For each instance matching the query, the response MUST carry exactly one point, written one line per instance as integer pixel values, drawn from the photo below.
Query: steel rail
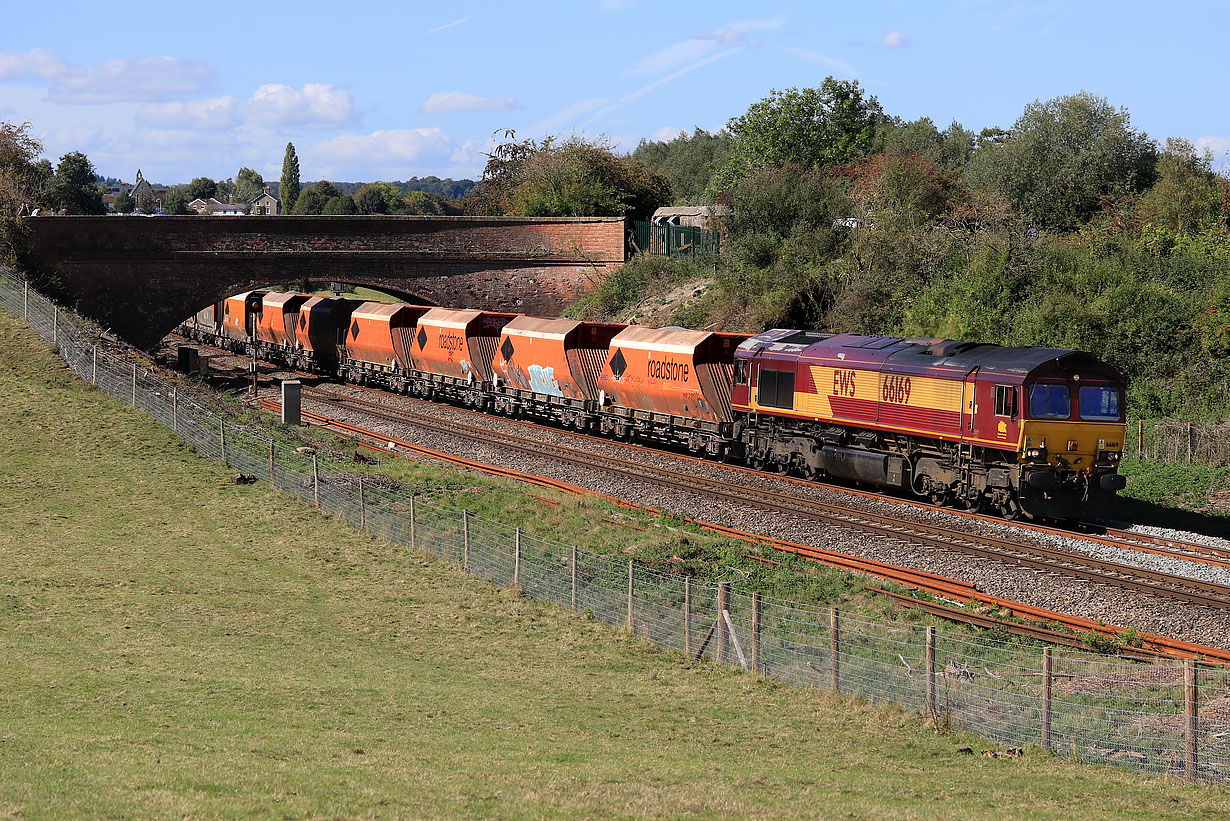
(1035, 557)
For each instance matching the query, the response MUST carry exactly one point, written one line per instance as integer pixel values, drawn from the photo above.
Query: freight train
(1033, 432)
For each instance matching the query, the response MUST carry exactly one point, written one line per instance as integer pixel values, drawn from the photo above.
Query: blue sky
(372, 91)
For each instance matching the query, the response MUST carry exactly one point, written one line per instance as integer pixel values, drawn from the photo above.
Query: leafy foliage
(202, 188)
(23, 179)
(689, 162)
(1064, 158)
(288, 186)
(248, 185)
(74, 187)
(124, 203)
(570, 178)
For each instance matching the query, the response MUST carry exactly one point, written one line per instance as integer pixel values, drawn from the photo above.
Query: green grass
(176, 645)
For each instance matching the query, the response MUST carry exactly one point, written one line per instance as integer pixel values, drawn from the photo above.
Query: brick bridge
(142, 277)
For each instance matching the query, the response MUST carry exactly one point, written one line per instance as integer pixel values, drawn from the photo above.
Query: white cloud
(316, 105)
(698, 45)
(208, 114)
(382, 154)
(445, 26)
(456, 101)
(145, 78)
(896, 39)
(667, 133)
(33, 63)
(566, 114)
(823, 59)
(1220, 146)
(713, 58)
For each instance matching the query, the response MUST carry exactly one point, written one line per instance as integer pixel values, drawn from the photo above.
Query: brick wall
(142, 276)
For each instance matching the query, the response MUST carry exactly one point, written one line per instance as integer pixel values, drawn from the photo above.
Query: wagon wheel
(939, 496)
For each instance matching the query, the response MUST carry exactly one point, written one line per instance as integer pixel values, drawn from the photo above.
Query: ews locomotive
(1036, 432)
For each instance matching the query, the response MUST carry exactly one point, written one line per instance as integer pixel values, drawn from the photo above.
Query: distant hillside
(453, 189)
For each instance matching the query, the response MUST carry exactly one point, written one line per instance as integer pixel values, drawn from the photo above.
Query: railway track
(1092, 532)
(1036, 557)
(1036, 618)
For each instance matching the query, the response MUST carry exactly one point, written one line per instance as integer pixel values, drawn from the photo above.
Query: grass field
(176, 645)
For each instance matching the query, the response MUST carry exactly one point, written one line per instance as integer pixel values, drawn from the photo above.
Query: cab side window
(1005, 400)
(740, 371)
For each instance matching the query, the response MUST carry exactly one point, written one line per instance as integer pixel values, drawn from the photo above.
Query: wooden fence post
(723, 604)
(316, 480)
(414, 523)
(630, 571)
(1140, 438)
(687, 615)
(55, 326)
(134, 384)
(1047, 682)
(25, 303)
(756, 630)
(1189, 443)
(174, 407)
(517, 559)
(929, 669)
(222, 438)
(271, 484)
(94, 368)
(574, 578)
(1192, 724)
(834, 648)
(465, 541)
(362, 506)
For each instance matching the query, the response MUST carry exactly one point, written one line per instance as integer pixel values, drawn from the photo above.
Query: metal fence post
(574, 578)
(315, 480)
(362, 506)
(517, 560)
(630, 589)
(687, 615)
(756, 630)
(723, 603)
(1047, 682)
(930, 671)
(94, 369)
(222, 438)
(1191, 725)
(834, 649)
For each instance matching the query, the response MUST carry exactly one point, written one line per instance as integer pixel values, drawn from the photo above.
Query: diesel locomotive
(1033, 432)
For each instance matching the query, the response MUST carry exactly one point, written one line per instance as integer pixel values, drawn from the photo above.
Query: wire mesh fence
(1164, 716)
(1173, 440)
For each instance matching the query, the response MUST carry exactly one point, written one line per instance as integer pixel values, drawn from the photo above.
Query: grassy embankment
(178, 645)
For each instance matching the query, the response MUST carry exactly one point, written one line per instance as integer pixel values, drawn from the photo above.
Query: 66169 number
(896, 389)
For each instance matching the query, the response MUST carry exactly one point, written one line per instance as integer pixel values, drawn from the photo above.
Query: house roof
(693, 211)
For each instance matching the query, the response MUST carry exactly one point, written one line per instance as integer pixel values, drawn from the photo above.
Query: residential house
(266, 205)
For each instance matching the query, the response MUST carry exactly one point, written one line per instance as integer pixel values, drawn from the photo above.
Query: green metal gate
(673, 240)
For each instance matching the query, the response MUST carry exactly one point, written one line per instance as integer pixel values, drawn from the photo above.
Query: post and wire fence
(1162, 716)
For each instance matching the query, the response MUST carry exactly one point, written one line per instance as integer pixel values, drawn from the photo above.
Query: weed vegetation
(178, 645)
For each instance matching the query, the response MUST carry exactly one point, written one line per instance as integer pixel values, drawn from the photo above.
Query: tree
(202, 188)
(288, 187)
(74, 187)
(22, 179)
(373, 198)
(570, 178)
(123, 203)
(1064, 158)
(687, 161)
(1186, 197)
(177, 200)
(310, 201)
(814, 127)
(248, 185)
(338, 206)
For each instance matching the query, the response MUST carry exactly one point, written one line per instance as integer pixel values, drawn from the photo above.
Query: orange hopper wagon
(670, 384)
(377, 342)
(459, 345)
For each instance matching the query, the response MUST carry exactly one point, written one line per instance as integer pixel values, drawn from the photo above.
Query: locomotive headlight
(1109, 456)
(1035, 453)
